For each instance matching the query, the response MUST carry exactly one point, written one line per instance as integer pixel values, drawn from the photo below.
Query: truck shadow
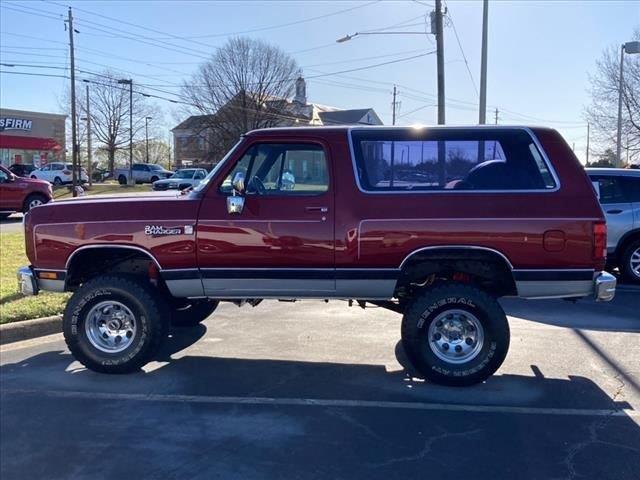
(176, 373)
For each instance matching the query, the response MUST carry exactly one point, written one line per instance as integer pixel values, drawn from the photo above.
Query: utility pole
(146, 136)
(394, 104)
(74, 136)
(496, 114)
(130, 83)
(89, 163)
(440, 61)
(588, 138)
(483, 65)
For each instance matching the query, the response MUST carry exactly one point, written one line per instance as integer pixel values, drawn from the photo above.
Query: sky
(540, 53)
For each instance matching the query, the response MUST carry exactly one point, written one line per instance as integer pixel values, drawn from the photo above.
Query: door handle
(614, 211)
(317, 209)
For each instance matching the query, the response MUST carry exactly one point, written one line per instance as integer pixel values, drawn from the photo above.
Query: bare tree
(109, 103)
(242, 87)
(159, 152)
(602, 113)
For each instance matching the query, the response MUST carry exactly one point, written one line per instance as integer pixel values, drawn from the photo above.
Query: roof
(344, 128)
(28, 113)
(631, 172)
(344, 116)
(193, 121)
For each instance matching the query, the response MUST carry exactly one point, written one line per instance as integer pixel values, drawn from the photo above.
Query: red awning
(28, 143)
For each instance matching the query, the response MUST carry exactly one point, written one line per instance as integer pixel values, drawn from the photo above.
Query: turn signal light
(599, 241)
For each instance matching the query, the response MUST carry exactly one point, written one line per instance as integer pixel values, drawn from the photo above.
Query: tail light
(66, 172)
(599, 241)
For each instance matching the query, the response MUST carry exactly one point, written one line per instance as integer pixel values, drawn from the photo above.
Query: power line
(453, 25)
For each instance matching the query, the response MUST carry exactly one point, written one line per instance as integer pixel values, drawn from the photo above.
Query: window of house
(420, 160)
(282, 169)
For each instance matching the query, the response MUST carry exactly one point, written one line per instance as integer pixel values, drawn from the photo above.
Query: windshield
(202, 185)
(183, 174)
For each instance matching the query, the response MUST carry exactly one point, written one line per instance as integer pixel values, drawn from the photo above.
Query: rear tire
(190, 314)
(115, 323)
(154, 179)
(455, 334)
(630, 262)
(122, 180)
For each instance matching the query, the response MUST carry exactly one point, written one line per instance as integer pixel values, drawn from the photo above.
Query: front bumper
(604, 287)
(27, 281)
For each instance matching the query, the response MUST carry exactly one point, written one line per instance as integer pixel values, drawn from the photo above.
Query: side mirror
(235, 204)
(238, 183)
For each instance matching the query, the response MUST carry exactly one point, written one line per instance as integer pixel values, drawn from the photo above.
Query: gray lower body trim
(186, 287)
(555, 289)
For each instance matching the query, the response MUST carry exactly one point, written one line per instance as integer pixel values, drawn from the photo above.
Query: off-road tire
(625, 262)
(152, 316)
(425, 309)
(122, 180)
(190, 314)
(27, 205)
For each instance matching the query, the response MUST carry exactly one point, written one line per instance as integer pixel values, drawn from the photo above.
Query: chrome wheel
(35, 202)
(110, 326)
(634, 262)
(456, 336)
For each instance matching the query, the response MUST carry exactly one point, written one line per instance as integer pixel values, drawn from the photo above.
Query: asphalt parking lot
(315, 390)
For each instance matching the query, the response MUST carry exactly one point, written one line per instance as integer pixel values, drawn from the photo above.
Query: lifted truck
(433, 223)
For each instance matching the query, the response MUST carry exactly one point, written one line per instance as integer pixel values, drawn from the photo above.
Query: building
(195, 144)
(31, 137)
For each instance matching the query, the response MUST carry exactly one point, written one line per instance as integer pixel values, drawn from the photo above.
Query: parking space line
(317, 402)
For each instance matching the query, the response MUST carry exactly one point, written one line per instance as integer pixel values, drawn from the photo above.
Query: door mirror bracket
(235, 202)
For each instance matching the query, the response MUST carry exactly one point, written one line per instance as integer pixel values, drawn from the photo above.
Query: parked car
(297, 213)
(142, 173)
(19, 194)
(183, 178)
(22, 169)
(619, 193)
(59, 173)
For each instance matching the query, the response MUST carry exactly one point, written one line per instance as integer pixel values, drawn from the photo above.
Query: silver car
(619, 194)
(183, 178)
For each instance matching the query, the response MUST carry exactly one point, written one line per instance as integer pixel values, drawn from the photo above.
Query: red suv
(20, 194)
(433, 223)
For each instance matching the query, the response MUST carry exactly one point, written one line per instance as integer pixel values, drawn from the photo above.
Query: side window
(46, 168)
(137, 167)
(199, 175)
(611, 190)
(506, 161)
(3, 176)
(282, 169)
(57, 166)
(631, 187)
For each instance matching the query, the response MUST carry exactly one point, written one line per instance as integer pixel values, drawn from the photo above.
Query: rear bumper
(604, 286)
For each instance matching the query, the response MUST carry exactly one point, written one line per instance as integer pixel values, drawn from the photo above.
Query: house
(196, 144)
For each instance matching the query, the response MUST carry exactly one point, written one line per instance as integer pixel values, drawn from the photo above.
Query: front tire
(193, 313)
(455, 334)
(630, 262)
(33, 201)
(115, 323)
(57, 181)
(122, 180)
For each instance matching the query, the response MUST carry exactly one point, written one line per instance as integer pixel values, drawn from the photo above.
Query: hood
(31, 181)
(167, 181)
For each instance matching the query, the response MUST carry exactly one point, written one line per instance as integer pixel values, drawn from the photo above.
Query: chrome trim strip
(457, 247)
(117, 245)
(532, 135)
(554, 289)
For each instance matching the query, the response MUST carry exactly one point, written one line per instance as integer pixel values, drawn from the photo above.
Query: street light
(146, 134)
(630, 48)
(130, 83)
(346, 38)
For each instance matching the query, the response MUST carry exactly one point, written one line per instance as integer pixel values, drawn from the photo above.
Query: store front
(31, 138)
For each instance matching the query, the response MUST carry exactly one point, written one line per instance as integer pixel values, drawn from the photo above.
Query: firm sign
(10, 123)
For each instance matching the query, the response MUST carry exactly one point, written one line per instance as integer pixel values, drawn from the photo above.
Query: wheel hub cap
(634, 262)
(456, 336)
(110, 326)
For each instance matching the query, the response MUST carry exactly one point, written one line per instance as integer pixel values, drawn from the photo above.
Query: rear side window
(611, 189)
(631, 186)
(434, 161)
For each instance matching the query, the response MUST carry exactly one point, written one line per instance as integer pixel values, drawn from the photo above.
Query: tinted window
(57, 166)
(282, 169)
(611, 189)
(138, 167)
(3, 176)
(200, 174)
(423, 160)
(631, 186)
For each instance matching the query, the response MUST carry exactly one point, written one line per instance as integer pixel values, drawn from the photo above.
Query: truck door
(282, 242)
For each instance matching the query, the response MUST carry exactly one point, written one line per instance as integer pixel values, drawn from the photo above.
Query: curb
(27, 329)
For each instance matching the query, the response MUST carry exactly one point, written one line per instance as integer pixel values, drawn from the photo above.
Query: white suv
(59, 173)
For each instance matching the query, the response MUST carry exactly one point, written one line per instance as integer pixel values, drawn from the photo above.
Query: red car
(20, 194)
(433, 223)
